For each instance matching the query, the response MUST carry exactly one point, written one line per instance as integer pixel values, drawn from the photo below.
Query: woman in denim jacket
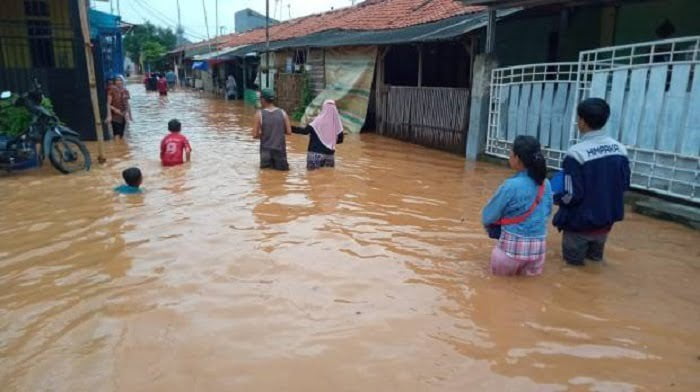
(521, 246)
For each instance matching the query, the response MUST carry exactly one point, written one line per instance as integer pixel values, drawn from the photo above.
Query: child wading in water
(519, 211)
(132, 182)
(174, 146)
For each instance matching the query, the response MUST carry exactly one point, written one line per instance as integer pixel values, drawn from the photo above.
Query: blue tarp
(200, 65)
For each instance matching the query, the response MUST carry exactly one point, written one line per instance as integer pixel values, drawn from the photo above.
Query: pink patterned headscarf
(328, 125)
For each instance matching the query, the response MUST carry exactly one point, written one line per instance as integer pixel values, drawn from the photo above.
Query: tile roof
(369, 15)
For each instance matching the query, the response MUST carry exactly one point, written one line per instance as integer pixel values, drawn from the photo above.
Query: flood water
(370, 277)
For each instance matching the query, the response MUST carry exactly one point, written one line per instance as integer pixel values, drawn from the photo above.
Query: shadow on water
(372, 276)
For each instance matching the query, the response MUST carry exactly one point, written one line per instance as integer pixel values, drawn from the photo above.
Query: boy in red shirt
(174, 145)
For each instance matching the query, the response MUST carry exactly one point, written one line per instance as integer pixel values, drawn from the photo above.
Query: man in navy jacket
(596, 176)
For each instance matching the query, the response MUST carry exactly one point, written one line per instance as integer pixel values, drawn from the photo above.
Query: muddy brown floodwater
(369, 277)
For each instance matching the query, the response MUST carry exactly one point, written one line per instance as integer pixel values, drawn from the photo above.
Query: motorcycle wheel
(69, 154)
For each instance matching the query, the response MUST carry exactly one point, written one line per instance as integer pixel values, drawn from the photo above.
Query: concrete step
(657, 208)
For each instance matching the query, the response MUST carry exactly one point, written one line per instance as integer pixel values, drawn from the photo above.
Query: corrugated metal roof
(443, 30)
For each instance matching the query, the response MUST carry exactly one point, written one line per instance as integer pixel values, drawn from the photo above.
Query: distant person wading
(325, 131)
(271, 126)
(119, 109)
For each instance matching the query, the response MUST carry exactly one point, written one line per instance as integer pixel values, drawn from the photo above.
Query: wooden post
(379, 89)
(83, 7)
(420, 65)
(491, 31)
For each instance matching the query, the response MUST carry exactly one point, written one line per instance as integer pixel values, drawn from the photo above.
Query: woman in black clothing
(325, 131)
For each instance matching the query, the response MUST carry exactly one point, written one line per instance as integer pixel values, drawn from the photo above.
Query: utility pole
(216, 16)
(83, 12)
(267, 43)
(119, 8)
(206, 20)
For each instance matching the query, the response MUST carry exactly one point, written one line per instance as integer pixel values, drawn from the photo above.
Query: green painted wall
(638, 22)
(525, 39)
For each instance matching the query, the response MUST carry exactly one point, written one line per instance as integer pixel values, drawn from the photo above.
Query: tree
(147, 44)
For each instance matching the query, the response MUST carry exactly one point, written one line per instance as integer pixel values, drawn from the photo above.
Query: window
(39, 33)
(36, 8)
(40, 43)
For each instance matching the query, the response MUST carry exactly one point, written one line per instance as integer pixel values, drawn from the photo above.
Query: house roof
(366, 16)
(532, 3)
(441, 30)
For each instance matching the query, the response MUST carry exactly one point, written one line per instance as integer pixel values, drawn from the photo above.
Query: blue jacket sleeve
(573, 184)
(493, 210)
(626, 174)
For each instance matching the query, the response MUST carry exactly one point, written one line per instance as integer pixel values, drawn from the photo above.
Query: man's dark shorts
(576, 247)
(273, 159)
(118, 129)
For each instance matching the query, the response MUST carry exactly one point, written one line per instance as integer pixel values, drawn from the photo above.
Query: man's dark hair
(132, 176)
(174, 125)
(594, 112)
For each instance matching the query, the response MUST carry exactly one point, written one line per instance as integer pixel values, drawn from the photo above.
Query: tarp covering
(200, 65)
(349, 75)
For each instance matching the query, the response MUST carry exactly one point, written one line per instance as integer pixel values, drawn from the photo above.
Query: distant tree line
(147, 45)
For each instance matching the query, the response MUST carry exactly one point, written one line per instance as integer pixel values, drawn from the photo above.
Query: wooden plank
(629, 132)
(523, 108)
(533, 117)
(691, 133)
(503, 112)
(513, 111)
(675, 108)
(599, 85)
(653, 102)
(558, 109)
(546, 116)
(617, 103)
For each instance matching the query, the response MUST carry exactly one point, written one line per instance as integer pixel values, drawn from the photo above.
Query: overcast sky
(164, 12)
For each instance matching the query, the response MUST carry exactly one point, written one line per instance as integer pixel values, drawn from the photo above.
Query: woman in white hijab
(325, 131)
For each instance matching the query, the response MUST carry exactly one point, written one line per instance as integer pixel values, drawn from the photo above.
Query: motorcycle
(63, 146)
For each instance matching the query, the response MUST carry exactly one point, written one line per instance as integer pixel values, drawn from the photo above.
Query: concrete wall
(248, 19)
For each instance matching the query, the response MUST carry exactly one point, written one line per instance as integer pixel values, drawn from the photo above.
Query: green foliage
(307, 96)
(15, 119)
(147, 44)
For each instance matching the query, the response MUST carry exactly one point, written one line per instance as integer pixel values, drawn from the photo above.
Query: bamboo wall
(434, 117)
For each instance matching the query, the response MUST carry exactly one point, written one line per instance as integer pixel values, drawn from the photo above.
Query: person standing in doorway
(596, 176)
(231, 88)
(271, 125)
(119, 108)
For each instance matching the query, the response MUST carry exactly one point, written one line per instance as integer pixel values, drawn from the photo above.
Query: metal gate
(654, 93)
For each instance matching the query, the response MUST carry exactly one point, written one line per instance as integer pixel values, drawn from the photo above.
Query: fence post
(479, 110)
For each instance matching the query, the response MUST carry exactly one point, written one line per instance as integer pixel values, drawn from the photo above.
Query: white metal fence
(654, 93)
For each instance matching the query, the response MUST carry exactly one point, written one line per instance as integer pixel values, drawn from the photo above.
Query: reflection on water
(369, 277)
